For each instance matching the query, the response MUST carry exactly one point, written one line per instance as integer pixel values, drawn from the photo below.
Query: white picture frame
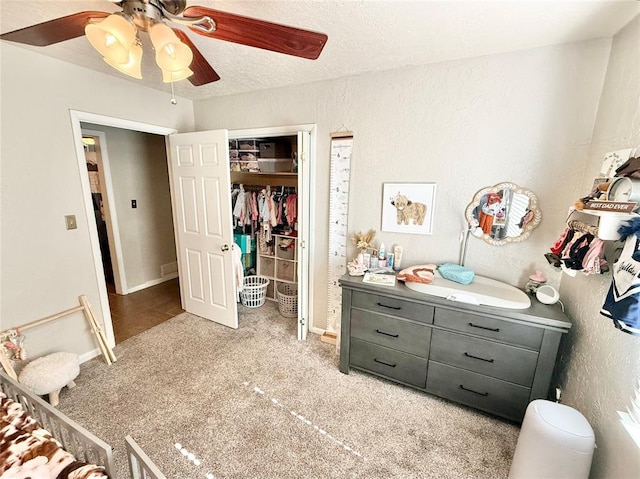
(408, 207)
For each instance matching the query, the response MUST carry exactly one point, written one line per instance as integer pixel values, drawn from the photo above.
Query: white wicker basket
(288, 300)
(254, 291)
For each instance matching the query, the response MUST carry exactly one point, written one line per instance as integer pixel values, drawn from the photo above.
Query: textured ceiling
(365, 35)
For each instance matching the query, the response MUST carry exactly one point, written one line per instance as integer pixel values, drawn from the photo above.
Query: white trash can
(555, 442)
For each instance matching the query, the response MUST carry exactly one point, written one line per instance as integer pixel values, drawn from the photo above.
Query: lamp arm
(464, 238)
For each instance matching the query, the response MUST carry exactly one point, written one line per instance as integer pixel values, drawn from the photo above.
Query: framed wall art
(408, 207)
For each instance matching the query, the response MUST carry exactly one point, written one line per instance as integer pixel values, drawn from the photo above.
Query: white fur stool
(50, 373)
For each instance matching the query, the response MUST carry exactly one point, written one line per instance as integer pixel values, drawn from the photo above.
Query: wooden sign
(611, 206)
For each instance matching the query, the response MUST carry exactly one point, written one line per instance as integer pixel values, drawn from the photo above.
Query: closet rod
(583, 227)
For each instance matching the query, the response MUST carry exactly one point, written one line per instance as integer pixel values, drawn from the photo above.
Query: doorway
(130, 197)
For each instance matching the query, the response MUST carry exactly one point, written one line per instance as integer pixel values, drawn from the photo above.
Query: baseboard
(83, 358)
(153, 282)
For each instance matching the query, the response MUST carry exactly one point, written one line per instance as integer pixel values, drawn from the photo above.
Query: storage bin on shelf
(247, 144)
(271, 149)
(288, 300)
(275, 165)
(254, 291)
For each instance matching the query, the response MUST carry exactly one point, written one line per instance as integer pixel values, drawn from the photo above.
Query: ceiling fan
(116, 36)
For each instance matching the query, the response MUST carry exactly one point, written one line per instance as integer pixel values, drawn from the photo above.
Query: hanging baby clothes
(622, 303)
(264, 236)
(594, 261)
(292, 209)
(239, 210)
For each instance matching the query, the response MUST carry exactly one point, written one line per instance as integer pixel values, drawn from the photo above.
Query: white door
(304, 186)
(202, 220)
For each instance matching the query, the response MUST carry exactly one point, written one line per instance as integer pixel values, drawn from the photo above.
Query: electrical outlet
(70, 221)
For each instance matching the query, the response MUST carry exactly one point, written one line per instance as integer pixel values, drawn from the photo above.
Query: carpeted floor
(257, 403)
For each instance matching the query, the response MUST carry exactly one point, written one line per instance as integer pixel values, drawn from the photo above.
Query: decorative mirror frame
(533, 206)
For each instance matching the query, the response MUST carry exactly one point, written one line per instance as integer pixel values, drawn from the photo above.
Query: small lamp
(171, 54)
(133, 67)
(170, 77)
(112, 37)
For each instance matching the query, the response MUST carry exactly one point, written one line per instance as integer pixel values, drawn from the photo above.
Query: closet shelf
(603, 224)
(249, 178)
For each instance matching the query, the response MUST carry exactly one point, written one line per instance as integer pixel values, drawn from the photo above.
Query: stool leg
(54, 398)
(71, 384)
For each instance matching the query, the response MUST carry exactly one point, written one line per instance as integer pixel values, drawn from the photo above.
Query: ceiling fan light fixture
(133, 67)
(112, 37)
(173, 76)
(171, 54)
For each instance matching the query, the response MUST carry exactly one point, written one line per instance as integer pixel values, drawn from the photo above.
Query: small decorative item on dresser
(363, 240)
(535, 281)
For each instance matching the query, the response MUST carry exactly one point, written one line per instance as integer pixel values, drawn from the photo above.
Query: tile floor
(136, 312)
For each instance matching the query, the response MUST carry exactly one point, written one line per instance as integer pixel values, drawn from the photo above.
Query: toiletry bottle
(397, 257)
(382, 256)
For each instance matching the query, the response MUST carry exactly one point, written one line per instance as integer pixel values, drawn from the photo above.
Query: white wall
(138, 163)
(44, 267)
(599, 362)
(524, 117)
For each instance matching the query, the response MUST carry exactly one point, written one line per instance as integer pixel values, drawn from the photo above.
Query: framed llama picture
(408, 207)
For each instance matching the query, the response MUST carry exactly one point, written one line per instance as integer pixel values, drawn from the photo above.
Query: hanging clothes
(594, 261)
(238, 268)
(239, 210)
(291, 207)
(622, 304)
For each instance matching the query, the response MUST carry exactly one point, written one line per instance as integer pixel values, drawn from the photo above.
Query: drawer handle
(385, 363)
(397, 308)
(478, 357)
(387, 334)
(474, 392)
(495, 330)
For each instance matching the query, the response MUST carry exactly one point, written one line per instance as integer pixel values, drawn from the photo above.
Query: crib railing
(140, 465)
(72, 436)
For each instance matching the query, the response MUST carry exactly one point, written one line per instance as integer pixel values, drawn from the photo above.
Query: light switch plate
(70, 220)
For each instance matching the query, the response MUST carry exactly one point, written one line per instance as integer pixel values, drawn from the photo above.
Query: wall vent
(169, 268)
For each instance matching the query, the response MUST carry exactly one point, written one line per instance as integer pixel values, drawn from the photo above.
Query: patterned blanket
(29, 451)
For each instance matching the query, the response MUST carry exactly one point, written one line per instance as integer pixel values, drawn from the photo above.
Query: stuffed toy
(599, 192)
(409, 211)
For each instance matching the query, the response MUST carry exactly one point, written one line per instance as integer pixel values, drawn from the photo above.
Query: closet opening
(264, 193)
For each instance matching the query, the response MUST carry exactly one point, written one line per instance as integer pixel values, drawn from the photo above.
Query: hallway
(136, 312)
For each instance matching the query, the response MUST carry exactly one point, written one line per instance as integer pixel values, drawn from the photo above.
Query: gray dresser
(496, 360)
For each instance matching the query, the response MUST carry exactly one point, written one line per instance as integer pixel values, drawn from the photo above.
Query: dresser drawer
(478, 391)
(491, 328)
(395, 307)
(493, 359)
(389, 362)
(392, 332)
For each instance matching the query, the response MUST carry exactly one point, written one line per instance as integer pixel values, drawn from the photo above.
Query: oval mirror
(503, 213)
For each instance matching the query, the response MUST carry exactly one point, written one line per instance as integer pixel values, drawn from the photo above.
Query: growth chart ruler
(341, 146)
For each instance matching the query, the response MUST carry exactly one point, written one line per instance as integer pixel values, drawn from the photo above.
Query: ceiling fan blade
(260, 34)
(203, 72)
(53, 31)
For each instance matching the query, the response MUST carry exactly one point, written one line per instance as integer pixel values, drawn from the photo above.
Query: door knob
(225, 247)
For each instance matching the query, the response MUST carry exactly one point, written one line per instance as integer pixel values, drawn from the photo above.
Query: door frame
(77, 117)
(110, 214)
(304, 181)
